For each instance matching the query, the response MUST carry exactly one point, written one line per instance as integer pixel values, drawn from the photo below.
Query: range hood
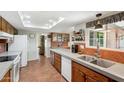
(4, 35)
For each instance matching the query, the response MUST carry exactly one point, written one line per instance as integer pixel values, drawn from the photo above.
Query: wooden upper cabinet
(12, 30)
(15, 31)
(4, 25)
(59, 40)
(7, 27)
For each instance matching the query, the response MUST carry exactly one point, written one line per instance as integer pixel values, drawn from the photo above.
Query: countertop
(5, 66)
(10, 53)
(115, 72)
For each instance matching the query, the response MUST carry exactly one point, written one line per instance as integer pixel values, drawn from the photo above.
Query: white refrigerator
(20, 44)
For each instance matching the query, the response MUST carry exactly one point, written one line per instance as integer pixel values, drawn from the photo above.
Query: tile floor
(40, 71)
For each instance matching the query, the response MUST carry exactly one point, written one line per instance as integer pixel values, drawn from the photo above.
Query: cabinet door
(65, 37)
(93, 74)
(4, 25)
(57, 65)
(54, 37)
(15, 32)
(57, 62)
(77, 75)
(59, 37)
(8, 28)
(11, 30)
(90, 79)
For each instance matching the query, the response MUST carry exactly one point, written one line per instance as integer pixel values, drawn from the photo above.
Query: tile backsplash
(2, 47)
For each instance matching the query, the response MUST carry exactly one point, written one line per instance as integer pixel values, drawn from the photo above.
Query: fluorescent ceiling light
(27, 23)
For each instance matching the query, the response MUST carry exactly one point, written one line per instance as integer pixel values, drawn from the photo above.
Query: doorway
(42, 45)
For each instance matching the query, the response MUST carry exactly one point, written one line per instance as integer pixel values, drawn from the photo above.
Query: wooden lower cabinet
(81, 73)
(78, 76)
(90, 79)
(57, 62)
(7, 77)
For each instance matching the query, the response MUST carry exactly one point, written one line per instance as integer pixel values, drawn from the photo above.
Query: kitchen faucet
(97, 54)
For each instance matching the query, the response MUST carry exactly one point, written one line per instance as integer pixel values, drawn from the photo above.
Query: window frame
(94, 46)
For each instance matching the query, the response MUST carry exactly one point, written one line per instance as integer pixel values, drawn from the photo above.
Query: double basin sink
(97, 61)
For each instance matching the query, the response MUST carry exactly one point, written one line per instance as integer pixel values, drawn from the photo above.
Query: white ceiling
(40, 18)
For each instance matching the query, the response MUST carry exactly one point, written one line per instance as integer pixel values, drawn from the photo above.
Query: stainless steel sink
(99, 62)
(87, 58)
(102, 63)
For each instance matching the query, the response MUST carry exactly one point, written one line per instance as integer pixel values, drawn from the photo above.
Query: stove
(7, 58)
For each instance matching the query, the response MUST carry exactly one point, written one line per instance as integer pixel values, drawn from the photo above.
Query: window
(94, 36)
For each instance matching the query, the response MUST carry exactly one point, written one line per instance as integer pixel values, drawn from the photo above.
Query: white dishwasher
(66, 68)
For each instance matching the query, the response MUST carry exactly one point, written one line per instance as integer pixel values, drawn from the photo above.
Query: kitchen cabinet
(59, 40)
(7, 77)
(78, 76)
(4, 25)
(10, 29)
(83, 74)
(89, 79)
(7, 27)
(66, 68)
(57, 62)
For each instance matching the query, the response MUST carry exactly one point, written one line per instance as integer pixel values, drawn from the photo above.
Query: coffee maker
(74, 48)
